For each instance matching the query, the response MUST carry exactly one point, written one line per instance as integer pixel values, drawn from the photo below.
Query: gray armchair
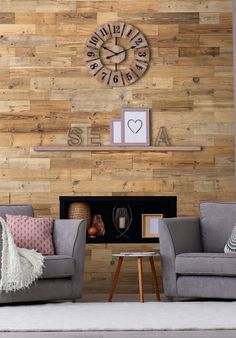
(192, 250)
(62, 277)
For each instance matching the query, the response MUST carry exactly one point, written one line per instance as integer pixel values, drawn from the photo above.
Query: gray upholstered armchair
(62, 277)
(192, 250)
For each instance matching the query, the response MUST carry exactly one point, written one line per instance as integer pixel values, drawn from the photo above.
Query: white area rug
(119, 316)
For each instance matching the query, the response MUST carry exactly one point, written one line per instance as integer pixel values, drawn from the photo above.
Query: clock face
(117, 54)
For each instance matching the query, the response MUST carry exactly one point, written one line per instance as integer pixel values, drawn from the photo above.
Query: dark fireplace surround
(138, 205)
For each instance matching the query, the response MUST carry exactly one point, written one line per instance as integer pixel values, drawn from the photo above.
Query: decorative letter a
(162, 137)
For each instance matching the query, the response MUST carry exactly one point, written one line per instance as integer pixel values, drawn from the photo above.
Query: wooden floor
(148, 297)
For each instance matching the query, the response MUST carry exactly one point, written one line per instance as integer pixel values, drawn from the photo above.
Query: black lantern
(122, 219)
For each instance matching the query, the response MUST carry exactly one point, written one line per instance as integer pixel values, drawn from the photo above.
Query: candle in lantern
(121, 222)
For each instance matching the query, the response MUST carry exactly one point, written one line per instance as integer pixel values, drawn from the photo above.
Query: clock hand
(110, 56)
(116, 45)
(109, 50)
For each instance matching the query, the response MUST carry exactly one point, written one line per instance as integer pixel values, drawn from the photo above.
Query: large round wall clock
(117, 54)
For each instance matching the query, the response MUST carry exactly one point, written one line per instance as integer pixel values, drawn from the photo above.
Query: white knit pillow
(230, 246)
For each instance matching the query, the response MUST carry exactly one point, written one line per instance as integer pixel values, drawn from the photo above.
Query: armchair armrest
(69, 239)
(184, 234)
(177, 235)
(67, 234)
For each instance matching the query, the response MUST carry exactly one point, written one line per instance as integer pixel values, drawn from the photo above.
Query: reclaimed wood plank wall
(45, 88)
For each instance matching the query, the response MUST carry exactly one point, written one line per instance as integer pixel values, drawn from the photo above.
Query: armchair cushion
(217, 221)
(58, 266)
(202, 263)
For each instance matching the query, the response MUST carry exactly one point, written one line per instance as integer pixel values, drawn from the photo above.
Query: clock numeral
(142, 54)
(103, 32)
(91, 54)
(117, 28)
(129, 76)
(116, 79)
(93, 41)
(139, 68)
(139, 41)
(104, 75)
(94, 65)
(129, 32)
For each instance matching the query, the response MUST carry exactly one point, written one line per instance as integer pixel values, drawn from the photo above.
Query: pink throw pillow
(32, 233)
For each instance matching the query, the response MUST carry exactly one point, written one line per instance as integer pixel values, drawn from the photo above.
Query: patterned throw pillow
(32, 233)
(230, 246)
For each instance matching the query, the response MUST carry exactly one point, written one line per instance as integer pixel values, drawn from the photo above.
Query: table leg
(154, 277)
(140, 279)
(115, 278)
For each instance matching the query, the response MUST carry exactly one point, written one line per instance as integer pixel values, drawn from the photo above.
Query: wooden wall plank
(7, 18)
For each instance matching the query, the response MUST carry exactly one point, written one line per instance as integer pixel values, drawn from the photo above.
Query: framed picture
(116, 132)
(135, 126)
(150, 225)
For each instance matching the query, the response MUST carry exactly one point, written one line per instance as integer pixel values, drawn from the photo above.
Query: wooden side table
(139, 256)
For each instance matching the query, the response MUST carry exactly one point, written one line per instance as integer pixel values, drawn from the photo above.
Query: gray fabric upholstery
(69, 239)
(207, 287)
(58, 266)
(168, 260)
(172, 243)
(190, 239)
(217, 222)
(25, 210)
(194, 263)
(42, 290)
(62, 278)
(211, 264)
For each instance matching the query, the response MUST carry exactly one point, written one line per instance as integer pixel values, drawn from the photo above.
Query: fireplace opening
(119, 219)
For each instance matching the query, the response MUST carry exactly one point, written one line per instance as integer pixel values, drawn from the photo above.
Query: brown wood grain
(7, 18)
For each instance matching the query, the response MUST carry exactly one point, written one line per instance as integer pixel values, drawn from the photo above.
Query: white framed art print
(135, 126)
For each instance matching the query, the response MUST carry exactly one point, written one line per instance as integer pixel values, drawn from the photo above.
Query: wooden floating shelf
(115, 148)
